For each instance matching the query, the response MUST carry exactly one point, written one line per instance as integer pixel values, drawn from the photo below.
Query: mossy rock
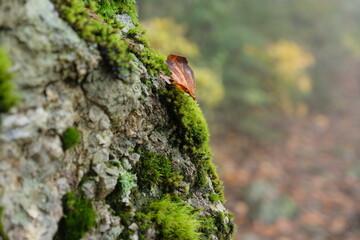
(171, 217)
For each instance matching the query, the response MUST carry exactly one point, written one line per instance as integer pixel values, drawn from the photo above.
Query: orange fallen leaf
(182, 74)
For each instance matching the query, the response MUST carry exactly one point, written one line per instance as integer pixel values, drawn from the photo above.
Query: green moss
(79, 217)
(153, 61)
(120, 209)
(107, 9)
(192, 126)
(192, 135)
(114, 49)
(70, 138)
(3, 235)
(172, 219)
(208, 227)
(170, 216)
(216, 225)
(214, 197)
(7, 96)
(117, 50)
(217, 184)
(154, 169)
(145, 222)
(138, 34)
(226, 228)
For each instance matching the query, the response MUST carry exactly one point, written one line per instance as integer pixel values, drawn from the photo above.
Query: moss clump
(117, 49)
(120, 209)
(108, 9)
(192, 135)
(227, 228)
(79, 217)
(214, 197)
(172, 219)
(7, 97)
(192, 127)
(3, 235)
(216, 225)
(70, 138)
(154, 169)
(208, 227)
(222, 225)
(113, 47)
(138, 34)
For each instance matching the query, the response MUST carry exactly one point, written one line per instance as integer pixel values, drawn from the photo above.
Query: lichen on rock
(98, 133)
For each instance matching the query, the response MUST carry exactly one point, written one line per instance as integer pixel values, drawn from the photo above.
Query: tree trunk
(99, 146)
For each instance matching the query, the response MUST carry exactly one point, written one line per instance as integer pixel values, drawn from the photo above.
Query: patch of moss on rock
(224, 225)
(154, 169)
(217, 225)
(113, 47)
(3, 234)
(208, 227)
(107, 9)
(117, 49)
(192, 135)
(172, 219)
(7, 96)
(70, 138)
(79, 217)
(214, 197)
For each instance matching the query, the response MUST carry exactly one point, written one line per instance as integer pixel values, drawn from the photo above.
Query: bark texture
(126, 125)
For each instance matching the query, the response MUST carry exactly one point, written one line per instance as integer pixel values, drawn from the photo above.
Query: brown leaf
(182, 74)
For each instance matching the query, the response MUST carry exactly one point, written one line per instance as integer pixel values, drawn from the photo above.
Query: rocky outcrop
(99, 147)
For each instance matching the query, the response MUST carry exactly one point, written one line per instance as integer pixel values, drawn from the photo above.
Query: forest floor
(304, 188)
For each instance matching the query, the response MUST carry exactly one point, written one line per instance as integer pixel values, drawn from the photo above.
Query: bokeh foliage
(276, 58)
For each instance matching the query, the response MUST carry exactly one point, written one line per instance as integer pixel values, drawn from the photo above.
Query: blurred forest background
(278, 81)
